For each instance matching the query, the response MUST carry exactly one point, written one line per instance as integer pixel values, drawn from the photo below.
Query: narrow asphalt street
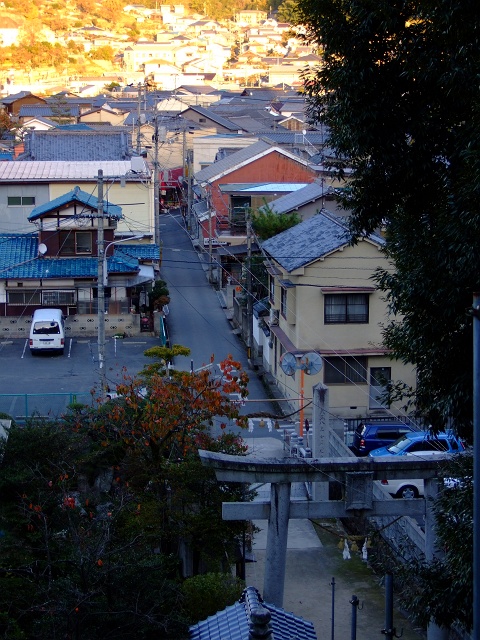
(196, 319)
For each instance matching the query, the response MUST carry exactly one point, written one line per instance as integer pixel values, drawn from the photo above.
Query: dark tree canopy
(443, 589)
(398, 91)
(95, 509)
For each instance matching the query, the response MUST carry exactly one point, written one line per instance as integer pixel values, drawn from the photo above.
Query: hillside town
(174, 188)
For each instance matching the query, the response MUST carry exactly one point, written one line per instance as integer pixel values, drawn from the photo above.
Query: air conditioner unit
(274, 313)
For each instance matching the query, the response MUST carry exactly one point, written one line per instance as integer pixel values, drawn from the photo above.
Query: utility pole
(210, 246)
(139, 124)
(101, 286)
(189, 189)
(156, 187)
(476, 464)
(249, 336)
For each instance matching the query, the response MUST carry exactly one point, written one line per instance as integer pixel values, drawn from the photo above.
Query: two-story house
(223, 184)
(25, 185)
(323, 300)
(58, 264)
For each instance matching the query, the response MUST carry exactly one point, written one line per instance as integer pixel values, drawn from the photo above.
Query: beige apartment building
(324, 302)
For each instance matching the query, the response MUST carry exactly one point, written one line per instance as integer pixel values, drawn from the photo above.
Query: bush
(206, 594)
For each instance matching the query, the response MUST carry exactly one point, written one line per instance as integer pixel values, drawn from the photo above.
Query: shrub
(206, 594)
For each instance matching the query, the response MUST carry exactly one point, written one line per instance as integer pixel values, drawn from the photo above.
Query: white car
(406, 489)
(412, 488)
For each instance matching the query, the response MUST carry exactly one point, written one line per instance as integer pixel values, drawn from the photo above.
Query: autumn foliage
(104, 513)
(169, 416)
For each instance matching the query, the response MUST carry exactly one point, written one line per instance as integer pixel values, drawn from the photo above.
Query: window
(21, 201)
(272, 289)
(83, 242)
(346, 308)
(283, 302)
(75, 242)
(428, 445)
(55, 298)
(345, 370)
(24, 297)
(45, 328)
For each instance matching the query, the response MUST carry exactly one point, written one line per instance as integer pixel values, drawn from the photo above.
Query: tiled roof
(209, 113)
(46, 121)
(79, 126)
(19, 259)
(241, 157)
(16, 96)
(60, 171)
(310, 240)
(139, 251)
(26, 263)
(76, 195)
(247, 123)
(75, 145)
(233, 623)
(46, 111)
(315, 138)
(16, 248)
(66, 268)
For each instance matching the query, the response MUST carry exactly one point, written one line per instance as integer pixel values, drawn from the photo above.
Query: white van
(47, 332)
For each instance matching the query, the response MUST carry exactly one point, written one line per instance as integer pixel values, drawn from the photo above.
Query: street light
(102, 281)
(105, 252)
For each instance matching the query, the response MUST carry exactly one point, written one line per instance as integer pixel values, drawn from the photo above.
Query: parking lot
(60, 379)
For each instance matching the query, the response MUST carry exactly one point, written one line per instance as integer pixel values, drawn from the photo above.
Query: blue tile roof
(140, 251)
(233, 622)
(19, 259)
(16, 248)
(80, 126)
(66, 268)
(76, 195)
(310, 240)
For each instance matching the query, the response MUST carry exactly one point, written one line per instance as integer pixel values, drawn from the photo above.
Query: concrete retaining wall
(78, 325)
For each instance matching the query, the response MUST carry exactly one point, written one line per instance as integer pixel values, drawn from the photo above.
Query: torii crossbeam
(357, 474)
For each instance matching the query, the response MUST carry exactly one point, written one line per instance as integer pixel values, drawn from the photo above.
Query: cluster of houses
(236, 153)
(180, 48)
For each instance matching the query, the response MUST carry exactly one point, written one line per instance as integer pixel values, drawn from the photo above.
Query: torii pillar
(357, 474)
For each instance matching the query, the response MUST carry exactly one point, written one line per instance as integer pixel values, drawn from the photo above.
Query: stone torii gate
(357, 475)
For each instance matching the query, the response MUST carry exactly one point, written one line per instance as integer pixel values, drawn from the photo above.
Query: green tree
(396, 91)
(71, 563)
(266, 223)
(206, 594)
(397, 94)
(94, 509)
(288, 12)
(8, 126)
(60, 107)
(442, 590)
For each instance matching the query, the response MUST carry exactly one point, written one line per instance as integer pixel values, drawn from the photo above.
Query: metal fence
(22, 406)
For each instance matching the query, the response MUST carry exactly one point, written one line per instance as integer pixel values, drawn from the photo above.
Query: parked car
(422, 444)
(406, 489)
(412, 487)
(372, 435)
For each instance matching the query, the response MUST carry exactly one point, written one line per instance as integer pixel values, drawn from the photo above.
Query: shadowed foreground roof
(233, 623)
